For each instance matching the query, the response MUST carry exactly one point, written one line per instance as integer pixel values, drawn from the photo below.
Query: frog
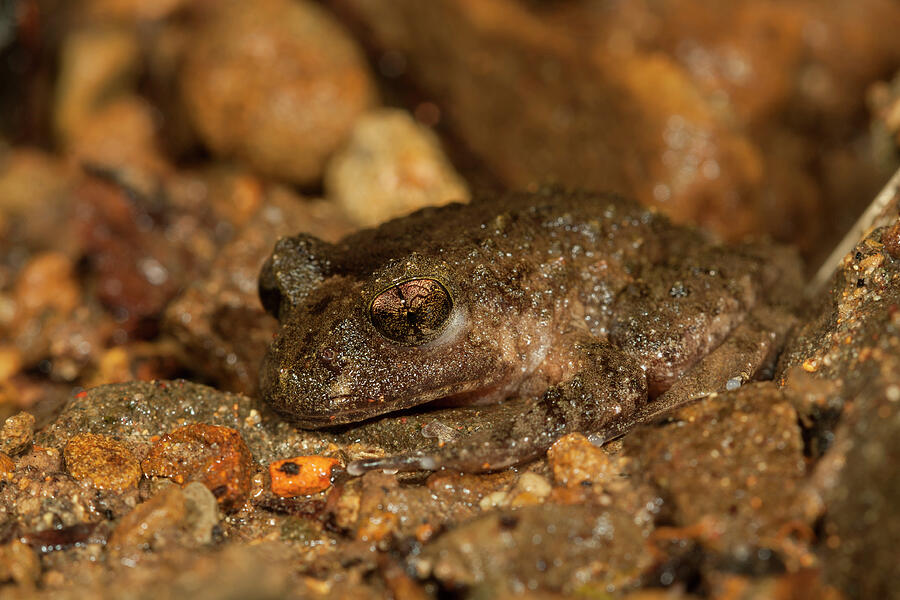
(597, 313)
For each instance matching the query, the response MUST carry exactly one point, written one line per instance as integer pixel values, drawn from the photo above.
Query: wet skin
(601, 313)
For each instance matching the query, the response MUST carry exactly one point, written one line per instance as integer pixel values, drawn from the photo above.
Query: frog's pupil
(411, 312)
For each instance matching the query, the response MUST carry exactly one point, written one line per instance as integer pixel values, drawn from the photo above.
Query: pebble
(19, 563)
(531, 488)
(391, 166)
(47, 282)
(202, 511)
(103, 461)
(17, 433)
(98, 63)
(575, 460)
(10, 362)
(301, 475)
(146, 526)
(7, 466)
(215, 456)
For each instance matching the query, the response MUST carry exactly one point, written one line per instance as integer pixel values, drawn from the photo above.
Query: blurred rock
(135, 248)
(33, 392)
(202, 511)
(142, 247)
(35, 208)
(49, 319)
(884, 103)
(100, 120)
(144, 361)
(530, 489)
(132, 10)
(10, 362)
(17, 433)
(664, 101)
(19, 563)
(132, 151)
(97, 63)
(47, 283)
(391, 166)
(277, 84)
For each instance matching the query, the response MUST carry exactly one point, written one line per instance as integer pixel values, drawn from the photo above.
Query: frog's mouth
(345, 409)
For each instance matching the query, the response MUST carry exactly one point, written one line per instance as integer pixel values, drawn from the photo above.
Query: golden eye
(411, 312)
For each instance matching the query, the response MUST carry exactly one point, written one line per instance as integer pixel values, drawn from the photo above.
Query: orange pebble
(301, 475)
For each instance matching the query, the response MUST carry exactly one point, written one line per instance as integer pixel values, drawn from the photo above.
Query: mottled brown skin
(602, 312)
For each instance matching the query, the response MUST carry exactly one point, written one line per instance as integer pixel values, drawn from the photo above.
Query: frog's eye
(411, 312)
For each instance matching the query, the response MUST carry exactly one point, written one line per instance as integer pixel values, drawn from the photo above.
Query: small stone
(425, 532)
(17, 433)
(301, 475)
(10, 362)
(496, 499)
(575, 460)
(378, 527)
(103, 461)
(346, 511)
(215, 456)
(19, 563)
(42, 460)
(7, 466)
(150, 524)
(891, 240)
(390, 167)
(202, 512)
(531, 488)
(733, 384)
(97, 64)
(46, 290)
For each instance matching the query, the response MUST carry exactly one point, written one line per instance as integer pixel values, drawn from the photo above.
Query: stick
(882, 211)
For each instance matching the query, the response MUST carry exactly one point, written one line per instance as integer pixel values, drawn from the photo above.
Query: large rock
(702, 110)
(853, 343)
(276, 84)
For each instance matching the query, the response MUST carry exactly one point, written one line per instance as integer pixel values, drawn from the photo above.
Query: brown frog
(600, 312)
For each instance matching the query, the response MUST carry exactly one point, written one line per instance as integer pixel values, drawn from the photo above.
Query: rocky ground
(152, 152)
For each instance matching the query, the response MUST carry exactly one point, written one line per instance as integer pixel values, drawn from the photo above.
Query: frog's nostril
(330, 359)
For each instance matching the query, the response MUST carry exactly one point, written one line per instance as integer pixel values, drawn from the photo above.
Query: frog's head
(355, 343)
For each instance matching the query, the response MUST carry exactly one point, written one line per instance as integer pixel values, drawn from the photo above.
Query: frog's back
(516, 227)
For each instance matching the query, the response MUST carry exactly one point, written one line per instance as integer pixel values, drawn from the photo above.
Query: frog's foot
(607, 387)
(414, 461)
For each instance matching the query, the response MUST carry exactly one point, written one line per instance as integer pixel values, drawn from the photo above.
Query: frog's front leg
(607, 387)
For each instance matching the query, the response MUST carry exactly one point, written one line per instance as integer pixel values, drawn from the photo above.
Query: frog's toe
(418, 461)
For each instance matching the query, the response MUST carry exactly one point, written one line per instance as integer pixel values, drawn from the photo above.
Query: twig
(882, 211)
